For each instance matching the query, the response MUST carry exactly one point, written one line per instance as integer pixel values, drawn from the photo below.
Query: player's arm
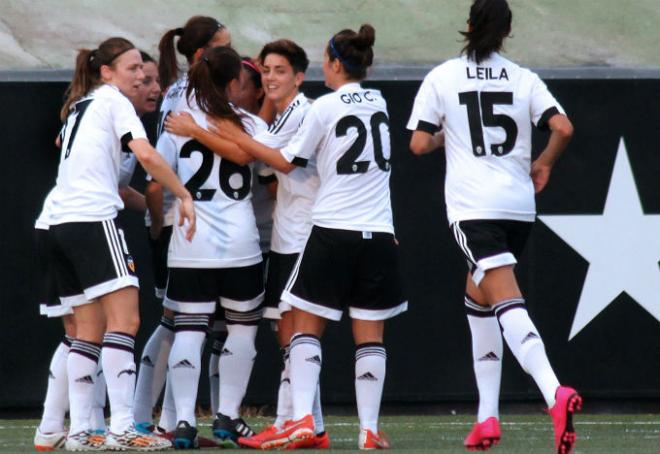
(183, 124)
(154, 201)
(132, 199)
(561, 133)
(157, 167)
(423, 142)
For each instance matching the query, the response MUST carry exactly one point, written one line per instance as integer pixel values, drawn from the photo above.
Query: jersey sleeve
(304, 143)
(125, 122)
(428, 109)
(542, 104)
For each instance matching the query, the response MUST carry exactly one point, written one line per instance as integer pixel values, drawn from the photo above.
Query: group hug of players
(227, 125)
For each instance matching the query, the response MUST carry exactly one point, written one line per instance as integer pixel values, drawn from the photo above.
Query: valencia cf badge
(130, 263)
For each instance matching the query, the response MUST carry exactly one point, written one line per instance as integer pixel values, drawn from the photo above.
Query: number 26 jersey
(226, 235)
(486, 111)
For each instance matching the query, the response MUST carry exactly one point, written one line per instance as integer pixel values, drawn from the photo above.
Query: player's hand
(155, 228)
(226, 129)
(187, 213)
(181, 124)
(540, 174)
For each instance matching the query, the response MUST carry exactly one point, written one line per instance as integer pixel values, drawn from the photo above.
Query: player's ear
(198, 54)
(106, 72)
(299, 78)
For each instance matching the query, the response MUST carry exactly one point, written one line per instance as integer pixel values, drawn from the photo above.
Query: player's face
(248, 95)
(278, 78)
(126, 73)
(221, 38)
(146, 99)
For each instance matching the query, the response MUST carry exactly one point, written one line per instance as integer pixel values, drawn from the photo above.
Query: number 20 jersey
(348, 133)
(487, 112)
(227, 235)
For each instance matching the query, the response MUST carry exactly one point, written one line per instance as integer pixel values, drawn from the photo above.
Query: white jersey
(98, 128)
(296, 191)
(486, 112)
(226, 235)
(348, 132)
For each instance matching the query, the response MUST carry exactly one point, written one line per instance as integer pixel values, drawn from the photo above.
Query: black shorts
(491, 243)
(197, 290)
(342, 269)
(279, 271)
(46, 286)
(89, 258)
(159, 248)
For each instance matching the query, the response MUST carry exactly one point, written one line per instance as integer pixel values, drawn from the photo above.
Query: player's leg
(218, 337)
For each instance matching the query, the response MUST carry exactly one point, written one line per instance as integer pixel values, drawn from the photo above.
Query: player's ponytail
(86, 74)
(353, 50)
(209, 78)
(489, 24)
(196, 34)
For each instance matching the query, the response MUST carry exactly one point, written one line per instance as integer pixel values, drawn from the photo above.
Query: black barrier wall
(614, 354)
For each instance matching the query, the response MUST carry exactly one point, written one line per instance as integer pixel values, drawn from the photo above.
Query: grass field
(528, 434)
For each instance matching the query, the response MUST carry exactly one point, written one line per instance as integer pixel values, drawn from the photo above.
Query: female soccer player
(223, 264)
(350, 259)
(199, 33)
(486, 104)
(88, 250)
(283, 70)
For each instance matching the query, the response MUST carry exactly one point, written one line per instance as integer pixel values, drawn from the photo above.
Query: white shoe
(49, 441)
(133, 440)
(87, 440)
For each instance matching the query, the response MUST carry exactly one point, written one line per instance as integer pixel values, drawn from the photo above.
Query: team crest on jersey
(131, 263)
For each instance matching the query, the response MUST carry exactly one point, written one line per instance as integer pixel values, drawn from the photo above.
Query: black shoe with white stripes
(227, 431)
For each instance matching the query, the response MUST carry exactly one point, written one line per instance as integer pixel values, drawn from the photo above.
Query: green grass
(528, 434)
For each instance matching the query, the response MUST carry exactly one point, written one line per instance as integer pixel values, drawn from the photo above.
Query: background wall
(614, 355)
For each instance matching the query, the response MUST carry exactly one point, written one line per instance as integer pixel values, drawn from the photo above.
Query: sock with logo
(167, 419)
(153, 369)
(487, 353)
(56, 402)
(525, 343)
(284, 407)
(118, 358)
(306, 359)
(98, 407)
(370, 359)
(236, 362)
(185, 363)
(81, 369)
(219, 338)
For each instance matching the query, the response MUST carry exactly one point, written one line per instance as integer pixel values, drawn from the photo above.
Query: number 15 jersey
(486, 111)
(348, 131)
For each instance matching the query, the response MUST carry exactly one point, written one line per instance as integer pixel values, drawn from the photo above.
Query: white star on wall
(622, 247)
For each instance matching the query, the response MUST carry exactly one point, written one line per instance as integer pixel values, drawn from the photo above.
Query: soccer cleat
(256, 440)
(292, 432)
(318, 441)
(567, 402)
(185, 436)
(49, 441)
(133, 440)
(227, 431)
(368, 440)
(483, 435)
(87, 440)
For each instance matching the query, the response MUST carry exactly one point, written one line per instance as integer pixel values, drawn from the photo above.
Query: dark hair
(208, 80)
(87, 75)
(146, 58)
(353, 50)
(250, 66)
(293, 53)
(490, 23)
(196, 34)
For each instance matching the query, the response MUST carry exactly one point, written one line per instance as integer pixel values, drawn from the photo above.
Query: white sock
(185, 363)
(118, 358)
(100, 392)
(284, 406)
(81, 369)
(56, 402)
(306, 359)
(370, 359)
(525, 343)
(236, 361)
(214, 368)
(487, 354)
(168, 411)
(153, 370)
(317, 413)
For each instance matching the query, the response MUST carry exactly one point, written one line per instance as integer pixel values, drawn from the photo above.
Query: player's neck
(282, 104)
